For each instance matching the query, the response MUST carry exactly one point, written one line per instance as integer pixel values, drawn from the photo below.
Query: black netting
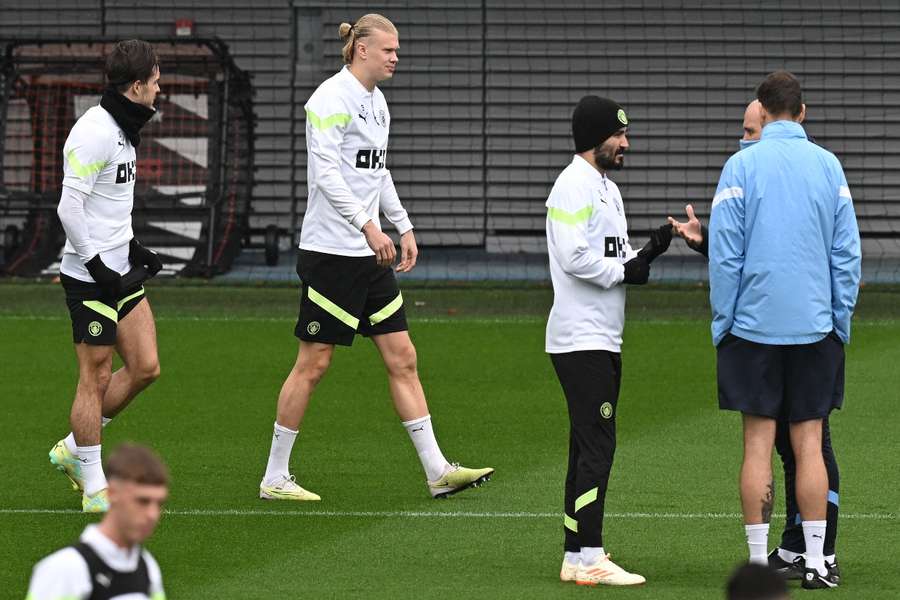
(194, 163)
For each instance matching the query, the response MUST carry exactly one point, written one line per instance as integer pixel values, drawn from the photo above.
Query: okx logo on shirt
(614, 247)
(126, 172)
(371, 158)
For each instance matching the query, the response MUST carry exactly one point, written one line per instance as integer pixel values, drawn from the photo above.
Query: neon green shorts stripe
(333, 309)
(585, 499)
(124, 300)
(98, 307)
(570, 523)
(392, 307)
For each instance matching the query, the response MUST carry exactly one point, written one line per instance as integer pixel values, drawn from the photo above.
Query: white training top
(346, 141)
(100, 168)
(587, 240)
(64, 575)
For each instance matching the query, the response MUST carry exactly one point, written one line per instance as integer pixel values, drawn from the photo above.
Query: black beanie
(594, 120)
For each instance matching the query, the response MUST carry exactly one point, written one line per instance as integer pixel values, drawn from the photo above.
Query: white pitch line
(514, 320)
(402, 514)
(214, 319)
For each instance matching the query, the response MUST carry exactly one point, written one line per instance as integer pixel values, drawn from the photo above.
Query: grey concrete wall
(483, 94)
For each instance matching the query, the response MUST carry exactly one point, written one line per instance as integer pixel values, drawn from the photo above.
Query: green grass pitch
(673, 495)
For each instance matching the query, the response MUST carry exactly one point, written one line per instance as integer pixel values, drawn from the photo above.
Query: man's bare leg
(812, 489)
(136, 344)
(94, 374)
(757, 485)
(399, 356)
(400, 360)
(312, 362)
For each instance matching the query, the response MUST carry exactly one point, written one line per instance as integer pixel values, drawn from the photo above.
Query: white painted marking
(188, 229)
(53, 269)
(172, 190)
(198, 104)
(413, 514)
(83, 102)
(432, 320)
(192, 148)
(182, 252)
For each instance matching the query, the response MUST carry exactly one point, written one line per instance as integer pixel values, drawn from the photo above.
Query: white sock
(590, 554)
(758, 541)
(830, 559)
(814, 534)
(70, 439)
(280, 454)
(572, 558)
(91, 469)
(422, 436)
(787, 555)
(70, 443)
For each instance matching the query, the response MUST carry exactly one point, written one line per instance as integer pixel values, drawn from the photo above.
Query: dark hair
(138, 464)
(130, 61)
(756, 582)
(780, 93)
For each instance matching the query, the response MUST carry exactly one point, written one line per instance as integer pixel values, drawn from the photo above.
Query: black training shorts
(94, 318)
(343, 295)
(791, 383)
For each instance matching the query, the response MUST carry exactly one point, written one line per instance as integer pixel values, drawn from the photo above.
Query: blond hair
(363, 28)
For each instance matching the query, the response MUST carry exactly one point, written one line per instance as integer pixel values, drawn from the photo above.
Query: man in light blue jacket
(787, 558)
(784, 261)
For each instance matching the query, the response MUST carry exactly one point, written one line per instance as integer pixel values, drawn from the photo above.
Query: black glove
(637, 270)
(659, 243)
(110, 282)
(140, 256)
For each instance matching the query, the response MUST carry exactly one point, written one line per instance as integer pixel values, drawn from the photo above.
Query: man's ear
(113, 489)
(802, 116)
(763, 116)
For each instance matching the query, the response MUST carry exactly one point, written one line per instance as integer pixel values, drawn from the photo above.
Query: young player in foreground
(108, 561)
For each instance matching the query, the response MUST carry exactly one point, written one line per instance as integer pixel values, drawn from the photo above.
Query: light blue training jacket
(784, 249)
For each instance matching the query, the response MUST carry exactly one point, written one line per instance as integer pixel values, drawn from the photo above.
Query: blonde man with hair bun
(345, 260)
(363, 28)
